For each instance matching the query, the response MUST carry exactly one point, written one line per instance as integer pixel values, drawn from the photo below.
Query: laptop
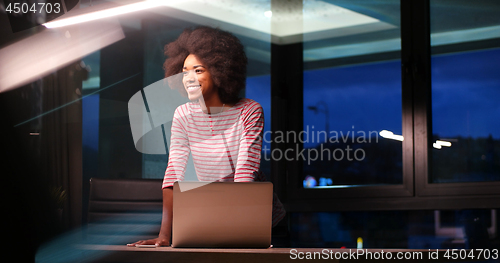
(222, 214)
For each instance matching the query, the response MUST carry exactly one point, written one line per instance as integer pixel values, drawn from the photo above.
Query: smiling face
(197, 80)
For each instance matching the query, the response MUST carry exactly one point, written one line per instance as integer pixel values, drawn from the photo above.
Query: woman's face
(197, 80)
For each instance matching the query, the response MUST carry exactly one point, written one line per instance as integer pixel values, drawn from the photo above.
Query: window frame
(415, 192)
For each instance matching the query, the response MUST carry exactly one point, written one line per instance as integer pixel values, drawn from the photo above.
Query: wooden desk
(113, 253)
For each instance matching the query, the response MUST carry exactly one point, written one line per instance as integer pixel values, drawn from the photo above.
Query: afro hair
(220, 51)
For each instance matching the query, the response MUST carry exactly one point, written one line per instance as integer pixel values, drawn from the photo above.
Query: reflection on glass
(345, 111)
(418, 229)
(466, 117)
(348, 101)
(465, 109)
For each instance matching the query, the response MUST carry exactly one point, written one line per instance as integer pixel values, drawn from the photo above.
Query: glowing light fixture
(104, 13)
(438, 144)
(443, 143)
(390, 135)
(268, 14)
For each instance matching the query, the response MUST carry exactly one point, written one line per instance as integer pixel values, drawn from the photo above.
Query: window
(346, 110)
(412, 229)
(458, 45)
(352, 121)
(465, 92)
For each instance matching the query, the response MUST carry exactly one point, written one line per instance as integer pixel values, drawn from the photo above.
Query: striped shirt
(225, 146)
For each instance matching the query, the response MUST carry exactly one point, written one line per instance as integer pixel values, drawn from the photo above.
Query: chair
(122, 211)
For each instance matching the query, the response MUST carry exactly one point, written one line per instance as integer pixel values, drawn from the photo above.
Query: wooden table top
(123, 253)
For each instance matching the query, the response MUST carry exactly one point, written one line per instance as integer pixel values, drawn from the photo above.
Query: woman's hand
(163, 238)
(159, 242)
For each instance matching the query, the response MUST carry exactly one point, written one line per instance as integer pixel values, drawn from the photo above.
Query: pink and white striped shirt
(225, 146)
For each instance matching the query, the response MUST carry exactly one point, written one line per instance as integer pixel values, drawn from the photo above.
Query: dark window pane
(352, 92)
(259, 89)
(465, 92)
(417, 229)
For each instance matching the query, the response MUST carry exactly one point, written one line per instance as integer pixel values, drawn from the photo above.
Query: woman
(222, 131)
